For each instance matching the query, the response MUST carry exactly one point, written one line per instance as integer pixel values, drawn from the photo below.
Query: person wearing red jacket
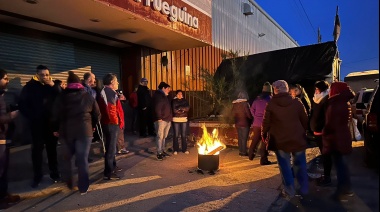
(112, 120)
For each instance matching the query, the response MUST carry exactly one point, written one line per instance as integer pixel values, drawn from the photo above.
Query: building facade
(160, 40)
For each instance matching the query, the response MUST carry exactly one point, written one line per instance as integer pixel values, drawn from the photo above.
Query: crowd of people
(280, 118)
(79, 112)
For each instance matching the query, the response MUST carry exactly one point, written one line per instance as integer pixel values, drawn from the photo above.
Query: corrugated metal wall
(175, 75)
(20, 55)
(232, 30)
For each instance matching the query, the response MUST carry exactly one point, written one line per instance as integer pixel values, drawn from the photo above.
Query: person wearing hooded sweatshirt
(336, 136)
(257, 109)
(36, 100)
(284, 129)
(317, 122)
(243, 120)
(75, 115)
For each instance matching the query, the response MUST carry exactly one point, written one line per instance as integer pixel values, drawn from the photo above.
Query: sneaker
(118, 169)
(339, 197)
(160, 157)
(84, 193)
(349, 193)
(324, 181)
(187, 152)
(175, 153)
(265, 163)
(35, 183)
(251, 156)
(166, 154)
(112, 176)
(55, 179)
(123, 151)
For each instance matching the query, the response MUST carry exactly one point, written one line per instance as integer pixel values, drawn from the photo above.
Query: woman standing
(257, 110)
(75, 116)
(180, 108)
(243, 120)
(336, 136)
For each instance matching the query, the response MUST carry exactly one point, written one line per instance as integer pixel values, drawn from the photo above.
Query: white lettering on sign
(175, 14)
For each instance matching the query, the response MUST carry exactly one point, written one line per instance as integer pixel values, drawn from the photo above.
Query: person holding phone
(36, 101)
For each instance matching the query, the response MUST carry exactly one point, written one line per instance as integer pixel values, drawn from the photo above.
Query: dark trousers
(342, 172)
(326, 158)
(110, 133)
(258, 145)
(120, 140)
(145, 121)
(180, 129)
(243, 133)
(4, 162)
(80, 148)
(40, 139)
(135, 114)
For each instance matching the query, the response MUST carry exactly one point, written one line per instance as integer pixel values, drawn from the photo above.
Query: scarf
(318, 97)
(75, 86)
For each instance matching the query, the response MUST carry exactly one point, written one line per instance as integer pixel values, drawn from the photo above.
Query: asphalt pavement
(176, 184)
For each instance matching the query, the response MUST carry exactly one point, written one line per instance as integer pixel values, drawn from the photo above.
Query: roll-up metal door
(20, 55)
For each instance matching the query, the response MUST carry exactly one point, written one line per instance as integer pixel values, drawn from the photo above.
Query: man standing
(89, 83)
(112, 120)
(162, 116)
(36, 100)
(144, 101)
(5, 118)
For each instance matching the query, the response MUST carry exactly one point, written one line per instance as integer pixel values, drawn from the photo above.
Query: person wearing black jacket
(36, 100)
(75, 116)
(162, 116)
(180, 108)
(144, 101)
(317, 122)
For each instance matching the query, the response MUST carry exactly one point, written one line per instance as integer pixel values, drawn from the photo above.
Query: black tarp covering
(303, 65)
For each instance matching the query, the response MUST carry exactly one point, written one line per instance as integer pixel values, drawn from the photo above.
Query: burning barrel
(209, 147)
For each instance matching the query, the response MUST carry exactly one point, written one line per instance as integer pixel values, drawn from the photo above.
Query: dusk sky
(358, 43)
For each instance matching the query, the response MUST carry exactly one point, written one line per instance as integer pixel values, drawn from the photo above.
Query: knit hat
(267, 87)
(280, 86)
(322, 85)
(338, 87)
(73, 78)
(143, 80)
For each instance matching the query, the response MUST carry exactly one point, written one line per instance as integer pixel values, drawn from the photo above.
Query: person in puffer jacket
(180, 108)
(75, 115)
(243, 120)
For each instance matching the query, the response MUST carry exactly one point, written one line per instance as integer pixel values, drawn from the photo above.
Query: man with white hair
(284, 130)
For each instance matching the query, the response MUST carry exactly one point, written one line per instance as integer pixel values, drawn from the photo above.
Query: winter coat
(36, 101)
(75, 114)
(133, 100)
(317, 115)
(144, 99)
(161, 107)
(180, 107)
(258, 108)
(241, 113)
(285, 119)
(5, 118)
(110, 107)
(336, 133)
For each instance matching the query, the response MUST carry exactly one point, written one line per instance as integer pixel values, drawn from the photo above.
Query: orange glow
(210, 144)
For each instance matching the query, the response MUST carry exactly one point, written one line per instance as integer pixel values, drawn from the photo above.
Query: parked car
(360, 104)
(371, 130)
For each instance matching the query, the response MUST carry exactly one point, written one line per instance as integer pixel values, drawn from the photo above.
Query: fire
(210, 144)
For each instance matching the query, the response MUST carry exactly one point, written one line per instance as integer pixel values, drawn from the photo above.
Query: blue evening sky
(358, 43)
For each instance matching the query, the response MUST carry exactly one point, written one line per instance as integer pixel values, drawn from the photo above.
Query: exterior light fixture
(247, 9)
(94, 20)
(261, 35)
(31, 1)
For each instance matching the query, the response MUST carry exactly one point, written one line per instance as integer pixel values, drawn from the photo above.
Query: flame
(209, 144)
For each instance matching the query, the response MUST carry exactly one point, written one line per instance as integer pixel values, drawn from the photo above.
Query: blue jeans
(342, 172)
(162, 130)
(80, 148)
(243, 133)
(180, 129)
(111, 133)
(299, 168)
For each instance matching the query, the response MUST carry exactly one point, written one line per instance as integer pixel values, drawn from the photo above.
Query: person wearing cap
(36, 101)
(75, 115)
(243, 120)
(336, 136)
(144, 101)
(317, 122)
(162, 116)
(112, 121)
(284, 130)
(257, 109)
